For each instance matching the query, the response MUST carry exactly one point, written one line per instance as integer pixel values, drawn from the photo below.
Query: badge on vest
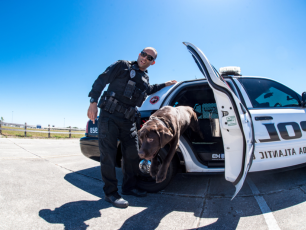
(132, 73)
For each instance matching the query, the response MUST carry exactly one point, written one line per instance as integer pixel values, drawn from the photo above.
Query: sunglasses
(149, 57)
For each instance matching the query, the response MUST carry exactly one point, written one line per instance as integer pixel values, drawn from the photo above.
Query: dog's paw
(161, 177)
(153, 171)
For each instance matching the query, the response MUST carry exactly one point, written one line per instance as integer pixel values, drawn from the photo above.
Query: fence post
(69, 131)
(48, 131)
(0, 127)
(25, 129)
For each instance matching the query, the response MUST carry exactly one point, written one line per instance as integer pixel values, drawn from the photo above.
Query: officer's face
(143, 62)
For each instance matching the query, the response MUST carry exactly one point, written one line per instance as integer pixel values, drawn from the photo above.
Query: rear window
(265, 93)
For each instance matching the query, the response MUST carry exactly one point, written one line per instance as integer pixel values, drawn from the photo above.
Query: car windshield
(265, 93)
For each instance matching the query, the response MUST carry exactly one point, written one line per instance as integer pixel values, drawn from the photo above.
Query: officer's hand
(92, 112)
(172, 82)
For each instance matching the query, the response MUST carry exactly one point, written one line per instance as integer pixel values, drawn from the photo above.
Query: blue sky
(51, 52)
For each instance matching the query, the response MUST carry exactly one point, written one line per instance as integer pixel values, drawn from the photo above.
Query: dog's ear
(165, 136)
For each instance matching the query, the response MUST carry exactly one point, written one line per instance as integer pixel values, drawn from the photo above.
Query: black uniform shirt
(114, 71)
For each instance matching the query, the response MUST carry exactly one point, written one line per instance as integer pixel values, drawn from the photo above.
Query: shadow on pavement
(216, 210)
(74, 214)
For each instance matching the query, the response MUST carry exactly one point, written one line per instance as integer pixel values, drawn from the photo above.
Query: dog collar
(163, 123)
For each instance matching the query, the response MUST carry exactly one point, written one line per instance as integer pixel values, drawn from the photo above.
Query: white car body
(254, 138)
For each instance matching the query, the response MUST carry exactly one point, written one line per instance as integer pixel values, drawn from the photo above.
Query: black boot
(116, 200)
(135, 192)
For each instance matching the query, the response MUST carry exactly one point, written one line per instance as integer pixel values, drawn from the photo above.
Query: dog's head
(152, 137)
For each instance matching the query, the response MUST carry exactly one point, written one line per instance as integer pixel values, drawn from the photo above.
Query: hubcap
(144, 166)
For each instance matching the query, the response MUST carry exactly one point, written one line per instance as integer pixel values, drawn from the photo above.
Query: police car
(250, 124)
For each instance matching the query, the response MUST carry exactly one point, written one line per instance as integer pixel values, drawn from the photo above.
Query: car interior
(209, 151)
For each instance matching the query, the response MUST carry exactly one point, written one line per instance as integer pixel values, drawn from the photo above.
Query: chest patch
(132, 73)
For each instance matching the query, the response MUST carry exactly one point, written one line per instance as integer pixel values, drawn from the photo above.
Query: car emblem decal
(154, 100)
(132, 73)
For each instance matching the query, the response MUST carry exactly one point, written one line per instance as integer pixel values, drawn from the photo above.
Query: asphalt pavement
(49, 184)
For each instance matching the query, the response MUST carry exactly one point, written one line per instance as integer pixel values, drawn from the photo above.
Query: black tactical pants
(111, 128)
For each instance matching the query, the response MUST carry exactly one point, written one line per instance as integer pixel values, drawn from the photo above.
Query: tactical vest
(130, 87)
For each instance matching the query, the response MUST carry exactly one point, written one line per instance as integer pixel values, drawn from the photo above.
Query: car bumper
(90, 147)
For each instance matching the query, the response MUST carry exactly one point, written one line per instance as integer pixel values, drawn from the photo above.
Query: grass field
(12, 133)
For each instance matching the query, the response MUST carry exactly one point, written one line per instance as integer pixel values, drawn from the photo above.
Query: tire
(147, 183)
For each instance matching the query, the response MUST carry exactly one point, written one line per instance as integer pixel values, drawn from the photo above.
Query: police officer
(128, 88)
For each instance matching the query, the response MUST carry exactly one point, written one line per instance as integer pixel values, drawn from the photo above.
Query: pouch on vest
(141, 99)
(129, 89)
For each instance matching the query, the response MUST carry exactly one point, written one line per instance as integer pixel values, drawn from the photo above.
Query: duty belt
(111, 104)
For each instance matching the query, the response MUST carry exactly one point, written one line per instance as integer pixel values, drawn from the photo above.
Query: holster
(108, 104)
(105, 101)
(138, 119)
(130, 114)
(133, 132)
(113, 106)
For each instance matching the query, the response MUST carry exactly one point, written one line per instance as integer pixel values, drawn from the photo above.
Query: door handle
(263, 118)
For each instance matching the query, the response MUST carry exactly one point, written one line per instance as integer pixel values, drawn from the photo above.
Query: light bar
(230, 70)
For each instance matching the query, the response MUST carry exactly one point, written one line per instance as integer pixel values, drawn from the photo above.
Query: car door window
(200, 98)
(232, 87)
(265, 93)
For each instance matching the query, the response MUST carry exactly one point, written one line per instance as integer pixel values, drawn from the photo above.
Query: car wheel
(147, 183)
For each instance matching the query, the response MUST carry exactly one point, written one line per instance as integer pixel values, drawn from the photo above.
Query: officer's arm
(154, 88)
(105, 78)
(172, 82)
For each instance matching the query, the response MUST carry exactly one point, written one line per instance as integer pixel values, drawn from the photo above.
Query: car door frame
(212, 79)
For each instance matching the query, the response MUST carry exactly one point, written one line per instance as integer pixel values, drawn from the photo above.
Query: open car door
(235, 122)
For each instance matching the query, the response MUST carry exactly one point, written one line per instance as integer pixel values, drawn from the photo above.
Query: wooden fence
(25, 127)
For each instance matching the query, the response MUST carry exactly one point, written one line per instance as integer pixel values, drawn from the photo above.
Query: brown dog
(165, 127)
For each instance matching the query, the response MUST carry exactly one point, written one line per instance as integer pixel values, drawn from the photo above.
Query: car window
(200, 98)
(232, 87)
(265, 93)
(216, 72)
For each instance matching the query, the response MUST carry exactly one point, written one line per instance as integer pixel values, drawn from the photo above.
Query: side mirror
(303, 99)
